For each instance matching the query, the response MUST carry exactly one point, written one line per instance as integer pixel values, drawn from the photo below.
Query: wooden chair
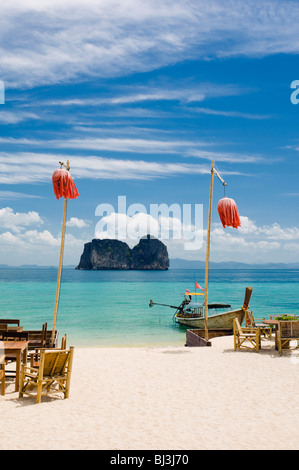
(35, 357)
(10, 321)
(14, 336)
(287, 331)
(52, 376)
(3, 327)
(265, 330)
(248, 335)
(36, 338)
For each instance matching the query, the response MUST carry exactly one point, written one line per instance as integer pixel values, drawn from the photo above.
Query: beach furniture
(36, 338)
(63, 342)
(11, 354)
(16, 351)
(287, 331)
(34, 357)
(10, 325)
(2, 374)
(265, 330)
(14, 335)
(249, 335)
(10, 321)
(52, 376)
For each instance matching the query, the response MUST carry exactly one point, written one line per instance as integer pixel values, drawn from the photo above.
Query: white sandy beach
(164, 398)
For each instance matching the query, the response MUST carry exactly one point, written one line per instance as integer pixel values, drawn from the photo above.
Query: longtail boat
(191, 311)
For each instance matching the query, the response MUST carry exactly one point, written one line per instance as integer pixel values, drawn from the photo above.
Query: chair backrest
(63, 342)
(44, 335)
(249, 320)
(4, 327)
(36, 338)
(55, 362)
(14, 336)
(237, 325)
(10, 322)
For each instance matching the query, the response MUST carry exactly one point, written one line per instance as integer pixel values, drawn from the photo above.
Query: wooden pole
(59, 270)
(60, 263)
(208, 253)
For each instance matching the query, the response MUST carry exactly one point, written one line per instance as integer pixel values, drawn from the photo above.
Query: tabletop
(271, 322)
(14, 345)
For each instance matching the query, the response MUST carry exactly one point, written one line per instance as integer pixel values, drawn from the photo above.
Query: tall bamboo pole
(208, 253)
(60, 265)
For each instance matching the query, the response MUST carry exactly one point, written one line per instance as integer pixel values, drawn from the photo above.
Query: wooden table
(18, 350)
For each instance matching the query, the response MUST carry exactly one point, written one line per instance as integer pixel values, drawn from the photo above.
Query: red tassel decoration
(228, 213)
(64, 185)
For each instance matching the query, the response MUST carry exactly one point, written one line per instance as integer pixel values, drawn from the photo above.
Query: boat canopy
(219, 306)
(193, 305)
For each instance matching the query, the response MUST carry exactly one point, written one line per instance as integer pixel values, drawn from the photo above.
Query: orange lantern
(228, 213)
(63, 184)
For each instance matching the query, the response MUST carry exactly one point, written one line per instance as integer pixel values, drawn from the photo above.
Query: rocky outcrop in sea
(149, 254)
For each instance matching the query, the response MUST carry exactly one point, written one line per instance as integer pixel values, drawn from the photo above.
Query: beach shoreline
(164, 398)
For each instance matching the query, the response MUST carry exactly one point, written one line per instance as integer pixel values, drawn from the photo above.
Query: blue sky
(140, 96)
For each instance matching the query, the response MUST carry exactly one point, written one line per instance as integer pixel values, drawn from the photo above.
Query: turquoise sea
(111, 308)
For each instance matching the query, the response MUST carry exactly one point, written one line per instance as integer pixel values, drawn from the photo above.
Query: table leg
(25, 354)
(18, 370)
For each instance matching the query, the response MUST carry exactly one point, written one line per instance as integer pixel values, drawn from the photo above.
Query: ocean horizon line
(185, 265)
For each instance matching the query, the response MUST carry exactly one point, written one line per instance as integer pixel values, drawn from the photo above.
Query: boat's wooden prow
(248, 292)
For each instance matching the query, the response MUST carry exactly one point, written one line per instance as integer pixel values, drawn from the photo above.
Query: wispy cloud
(6, 195)
(134, 145)
(229, 157)
(37, 167)
(237, 114)
(111, 144)
(182, 92)
(75, 40)
(12, 117)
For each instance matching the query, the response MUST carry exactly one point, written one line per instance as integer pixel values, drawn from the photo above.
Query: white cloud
(15, 195)
(131, 227)
(9, 117)
(38, 167)
(17, 221)
(35, 238)
(249, 244)
(71, 40)
(78, 223)
(38, 247)
(237, 114)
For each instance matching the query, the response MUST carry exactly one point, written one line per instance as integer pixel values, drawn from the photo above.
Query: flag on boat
(197, 286)
(187, 291)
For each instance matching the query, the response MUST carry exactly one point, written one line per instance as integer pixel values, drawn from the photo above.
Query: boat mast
(213, 171)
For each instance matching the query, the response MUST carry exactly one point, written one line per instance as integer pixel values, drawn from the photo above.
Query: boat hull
(220, 320)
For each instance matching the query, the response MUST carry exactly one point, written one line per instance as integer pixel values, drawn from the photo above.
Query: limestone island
(106, 254)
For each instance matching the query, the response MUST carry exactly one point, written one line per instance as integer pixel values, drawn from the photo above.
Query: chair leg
(3, 379)
(69, 372)
(39, 391)
(22, 380)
